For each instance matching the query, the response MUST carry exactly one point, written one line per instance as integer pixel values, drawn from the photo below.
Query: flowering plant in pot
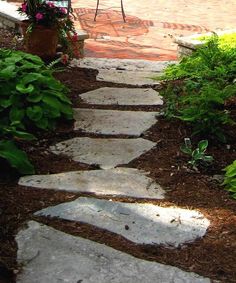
(45, 27)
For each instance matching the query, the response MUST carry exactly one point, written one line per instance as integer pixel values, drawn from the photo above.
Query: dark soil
(212, 256)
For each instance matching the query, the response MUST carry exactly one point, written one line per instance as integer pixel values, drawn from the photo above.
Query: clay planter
(42, 41)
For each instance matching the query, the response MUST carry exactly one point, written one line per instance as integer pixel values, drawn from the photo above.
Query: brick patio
(148, 31)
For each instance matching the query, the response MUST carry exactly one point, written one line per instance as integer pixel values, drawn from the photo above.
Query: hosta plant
(198, 155)
(30, 98)
(29, 94)
(230, 179)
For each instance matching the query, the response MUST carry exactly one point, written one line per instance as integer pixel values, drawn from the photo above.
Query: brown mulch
(212, 256)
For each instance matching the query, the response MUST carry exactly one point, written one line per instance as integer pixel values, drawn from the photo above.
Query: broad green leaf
(196, 154)
(31, 77)
(16, 114)
(35, 59)
(23, 135)
(5, 102)
(202, 145)
(16, 157)
(13, 59)
(67, 110)
(186, 149)
(35, 113)
(8, 72)
(231, 172)
(42, 123)
(34, 97)
(207, 158)
(52, 101)
(25, 89)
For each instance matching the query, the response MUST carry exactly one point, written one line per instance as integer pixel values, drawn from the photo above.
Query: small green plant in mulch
(198, 155)
(198, 87)
(230, 179)
(30, 98)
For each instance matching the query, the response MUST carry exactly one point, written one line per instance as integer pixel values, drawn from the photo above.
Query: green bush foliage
(207, 81)
(227, 40)
(30, 98)
(230, 179)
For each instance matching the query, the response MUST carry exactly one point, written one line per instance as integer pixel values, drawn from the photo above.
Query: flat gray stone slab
(127, 182)
(51, 256)
(147, 223)
(127, 77)
(107, 153)
(113, 122)
(122, 96)
(122, 64)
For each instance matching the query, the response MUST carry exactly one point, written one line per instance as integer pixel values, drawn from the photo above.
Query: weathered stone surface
(122, 64)
(107, 153)
(126, 71)
(52, 256)
(122, 96)
(188, 44)
(9, 13)
(147, 223)
(127, 182)
(127, 77)
(113, 122)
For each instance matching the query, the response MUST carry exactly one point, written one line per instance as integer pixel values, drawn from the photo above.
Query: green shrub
(207, 81)
(30, 97)
(230, 179)
(227, 40)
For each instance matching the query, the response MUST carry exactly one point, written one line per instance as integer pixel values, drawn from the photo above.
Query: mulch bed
(212, 256)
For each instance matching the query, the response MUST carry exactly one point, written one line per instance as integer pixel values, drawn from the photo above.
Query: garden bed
(212, 256)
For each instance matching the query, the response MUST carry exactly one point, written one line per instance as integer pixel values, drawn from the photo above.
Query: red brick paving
(150, 25)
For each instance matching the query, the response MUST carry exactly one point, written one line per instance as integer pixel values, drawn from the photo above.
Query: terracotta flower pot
(42, 41)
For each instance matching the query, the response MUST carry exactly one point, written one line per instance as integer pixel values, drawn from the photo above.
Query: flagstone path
(53, 256)
(111, 122)
(48, 255)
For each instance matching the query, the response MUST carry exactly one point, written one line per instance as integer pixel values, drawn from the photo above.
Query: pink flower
(24, 7)
(75, 37)
(39, 16)
(64, 59)
(63, 10)
(51, 5)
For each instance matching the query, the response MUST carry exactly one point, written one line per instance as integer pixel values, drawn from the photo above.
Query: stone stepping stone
(124, 71)
(48, 255)
(139, 223)
(127, 182)
(107, 153)
(128, 77)
(113, 122)
(122, 96)
(122, 64)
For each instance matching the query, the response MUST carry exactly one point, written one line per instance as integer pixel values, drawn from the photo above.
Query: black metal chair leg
(122, 10)
(96, 12)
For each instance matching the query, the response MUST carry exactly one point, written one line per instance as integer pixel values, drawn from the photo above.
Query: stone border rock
(188, 44)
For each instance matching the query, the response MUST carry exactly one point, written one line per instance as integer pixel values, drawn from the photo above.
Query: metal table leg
(96, 12)
(122, 10)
